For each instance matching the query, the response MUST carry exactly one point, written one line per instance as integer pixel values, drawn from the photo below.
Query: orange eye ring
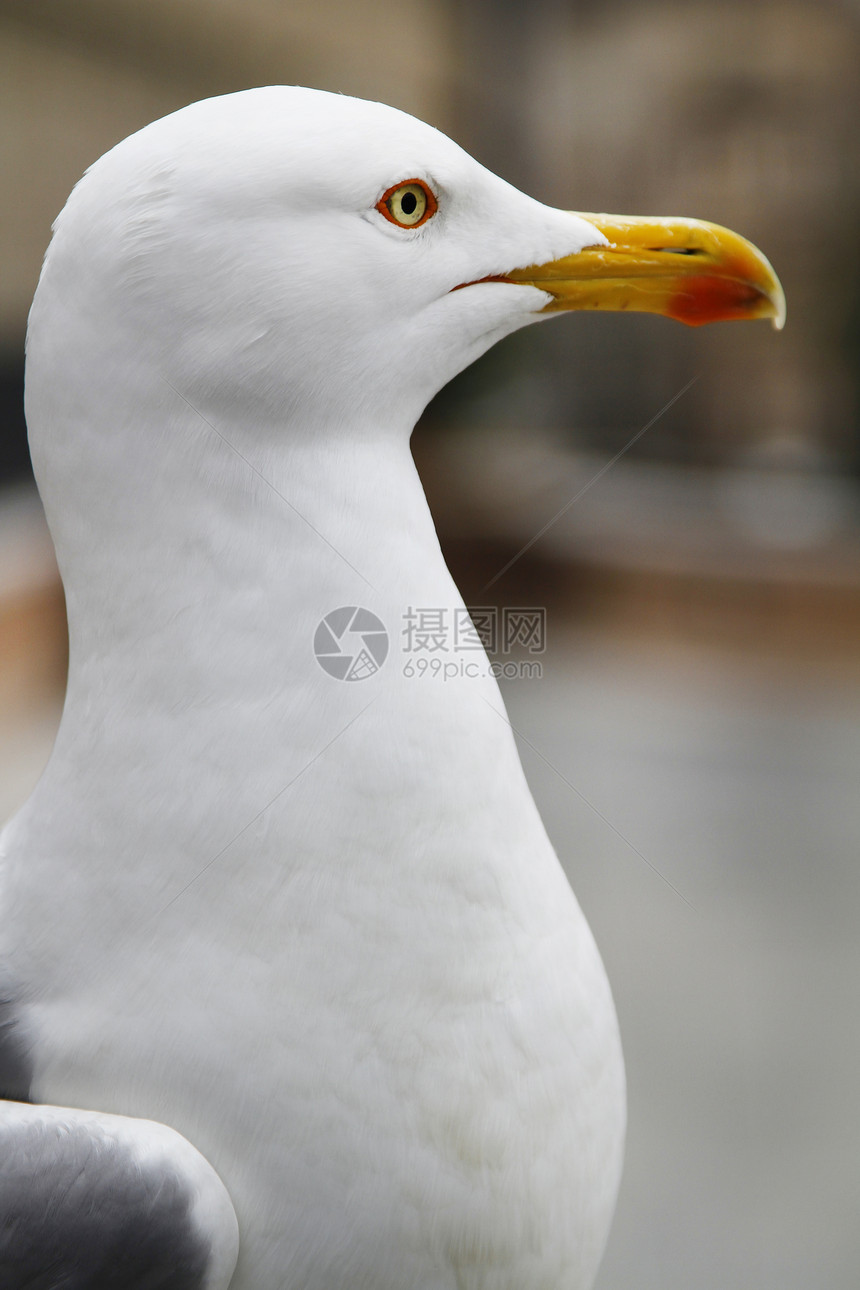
(408, 204)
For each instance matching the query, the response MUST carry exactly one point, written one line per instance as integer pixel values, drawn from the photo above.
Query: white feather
(315, 927)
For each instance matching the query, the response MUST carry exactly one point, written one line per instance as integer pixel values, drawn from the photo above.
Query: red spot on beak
(708, 299)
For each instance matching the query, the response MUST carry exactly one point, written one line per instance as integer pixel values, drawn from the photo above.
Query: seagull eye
(408, 204)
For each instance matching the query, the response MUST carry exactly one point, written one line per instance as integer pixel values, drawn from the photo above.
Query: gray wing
(105, 1202)
(15, 1065)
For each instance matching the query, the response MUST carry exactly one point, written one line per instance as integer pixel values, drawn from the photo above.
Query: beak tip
(778, 300)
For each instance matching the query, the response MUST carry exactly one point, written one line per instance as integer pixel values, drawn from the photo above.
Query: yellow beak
(682, 268)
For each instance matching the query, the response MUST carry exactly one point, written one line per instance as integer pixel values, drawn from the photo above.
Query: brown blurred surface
(32, 611)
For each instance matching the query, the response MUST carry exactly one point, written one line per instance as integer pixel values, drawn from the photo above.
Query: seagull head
(294, 256)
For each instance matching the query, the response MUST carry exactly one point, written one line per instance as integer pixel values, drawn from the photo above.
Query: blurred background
(694, 740)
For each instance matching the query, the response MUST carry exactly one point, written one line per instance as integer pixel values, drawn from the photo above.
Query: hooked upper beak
(682, 268)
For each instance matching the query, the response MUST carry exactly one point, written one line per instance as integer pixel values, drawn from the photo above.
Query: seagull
(294, 994)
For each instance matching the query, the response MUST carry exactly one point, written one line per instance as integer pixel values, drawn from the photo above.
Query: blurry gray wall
(744, 114)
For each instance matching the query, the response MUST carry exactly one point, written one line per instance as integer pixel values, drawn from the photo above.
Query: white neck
(198, 722)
